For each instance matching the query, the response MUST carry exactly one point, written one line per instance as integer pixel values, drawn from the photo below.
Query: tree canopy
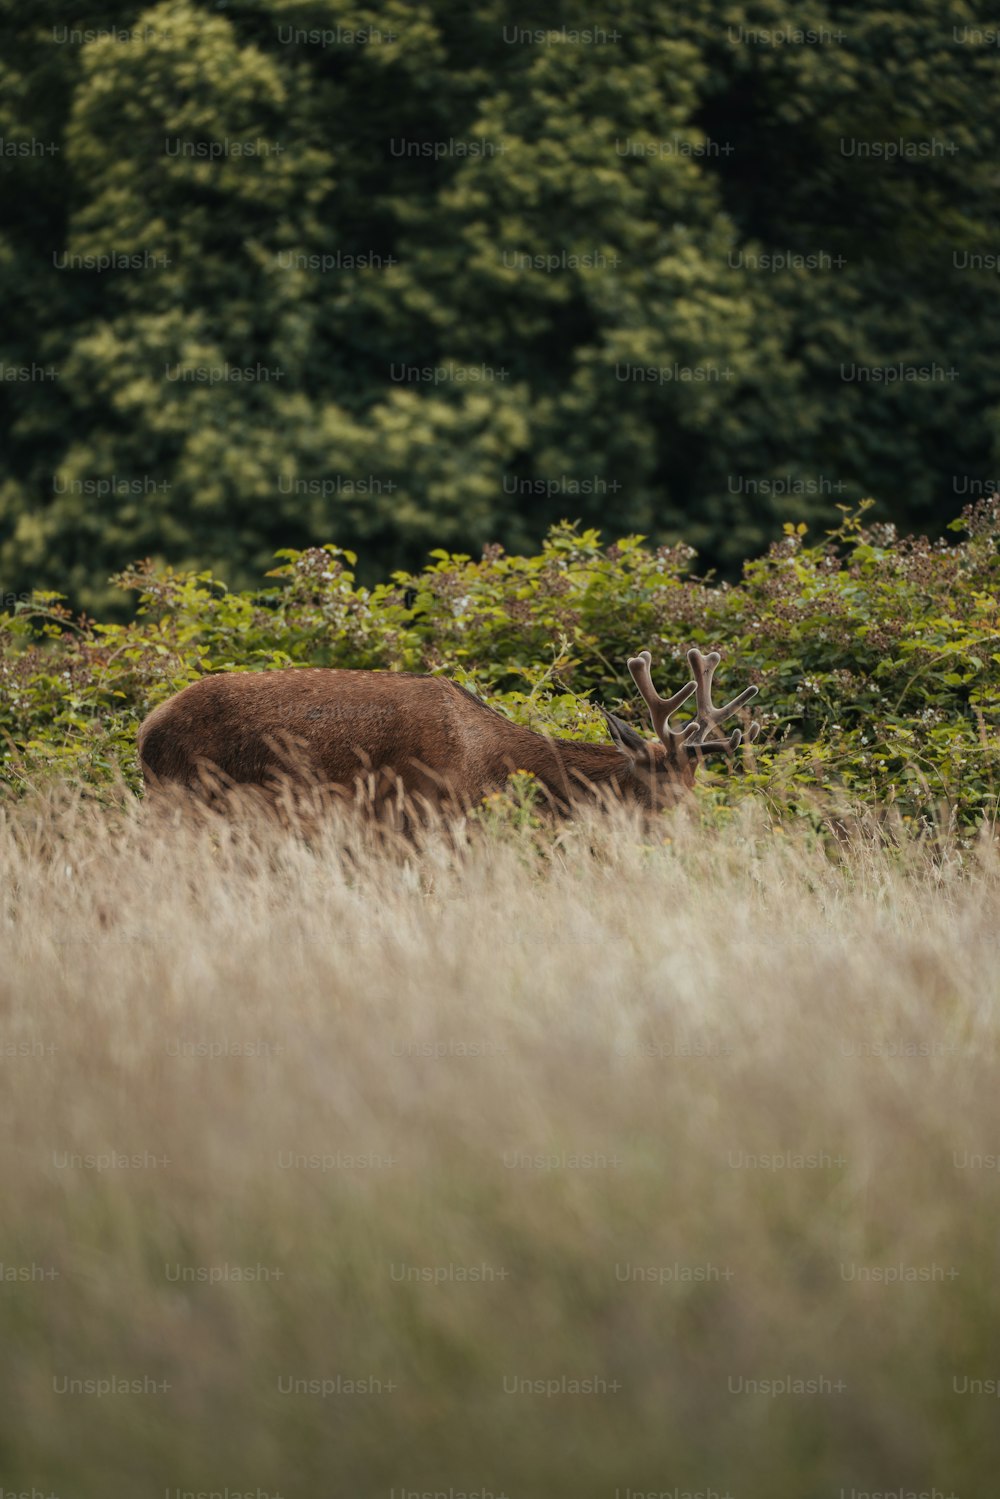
(297, 271)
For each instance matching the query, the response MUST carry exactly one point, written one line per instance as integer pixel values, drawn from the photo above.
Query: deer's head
(664, 767)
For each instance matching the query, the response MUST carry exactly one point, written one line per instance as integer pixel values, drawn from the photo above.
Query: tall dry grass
(646, 1120)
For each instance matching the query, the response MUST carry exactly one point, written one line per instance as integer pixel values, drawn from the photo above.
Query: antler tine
(717, 746)
(660, 708)
(708, 716)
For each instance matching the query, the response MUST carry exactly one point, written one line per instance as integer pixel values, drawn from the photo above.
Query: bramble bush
(877, 658)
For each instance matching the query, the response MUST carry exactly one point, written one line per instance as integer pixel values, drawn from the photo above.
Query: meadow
(591, 1159)
(515, 1158)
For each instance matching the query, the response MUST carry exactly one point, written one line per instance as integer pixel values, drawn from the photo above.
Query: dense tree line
(286, 271)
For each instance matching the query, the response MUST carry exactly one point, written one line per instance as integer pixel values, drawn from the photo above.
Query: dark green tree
(423, 276)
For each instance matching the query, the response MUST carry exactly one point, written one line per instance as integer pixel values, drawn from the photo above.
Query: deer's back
(333, 724)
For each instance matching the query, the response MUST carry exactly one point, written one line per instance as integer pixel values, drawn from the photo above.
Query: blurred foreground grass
(495, 1170)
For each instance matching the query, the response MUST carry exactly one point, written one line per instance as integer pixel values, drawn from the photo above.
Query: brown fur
(387, 731)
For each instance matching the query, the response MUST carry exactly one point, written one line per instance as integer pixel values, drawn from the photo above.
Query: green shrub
(876, 657)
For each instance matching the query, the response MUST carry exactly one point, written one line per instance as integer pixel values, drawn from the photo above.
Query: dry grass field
(613, 1167)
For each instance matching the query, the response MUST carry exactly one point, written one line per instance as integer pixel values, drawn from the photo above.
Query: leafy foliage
(878, 659)
(538, 223)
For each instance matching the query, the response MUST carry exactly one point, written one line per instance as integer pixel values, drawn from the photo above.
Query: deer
(380, 735)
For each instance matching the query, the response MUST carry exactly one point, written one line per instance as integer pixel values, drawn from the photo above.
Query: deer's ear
(624, 736)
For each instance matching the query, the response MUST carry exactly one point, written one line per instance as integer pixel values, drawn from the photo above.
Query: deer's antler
(660, 708)
(708, 717)
(694, 735)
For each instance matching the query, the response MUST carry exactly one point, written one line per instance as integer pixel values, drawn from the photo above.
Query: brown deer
(383, 735)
